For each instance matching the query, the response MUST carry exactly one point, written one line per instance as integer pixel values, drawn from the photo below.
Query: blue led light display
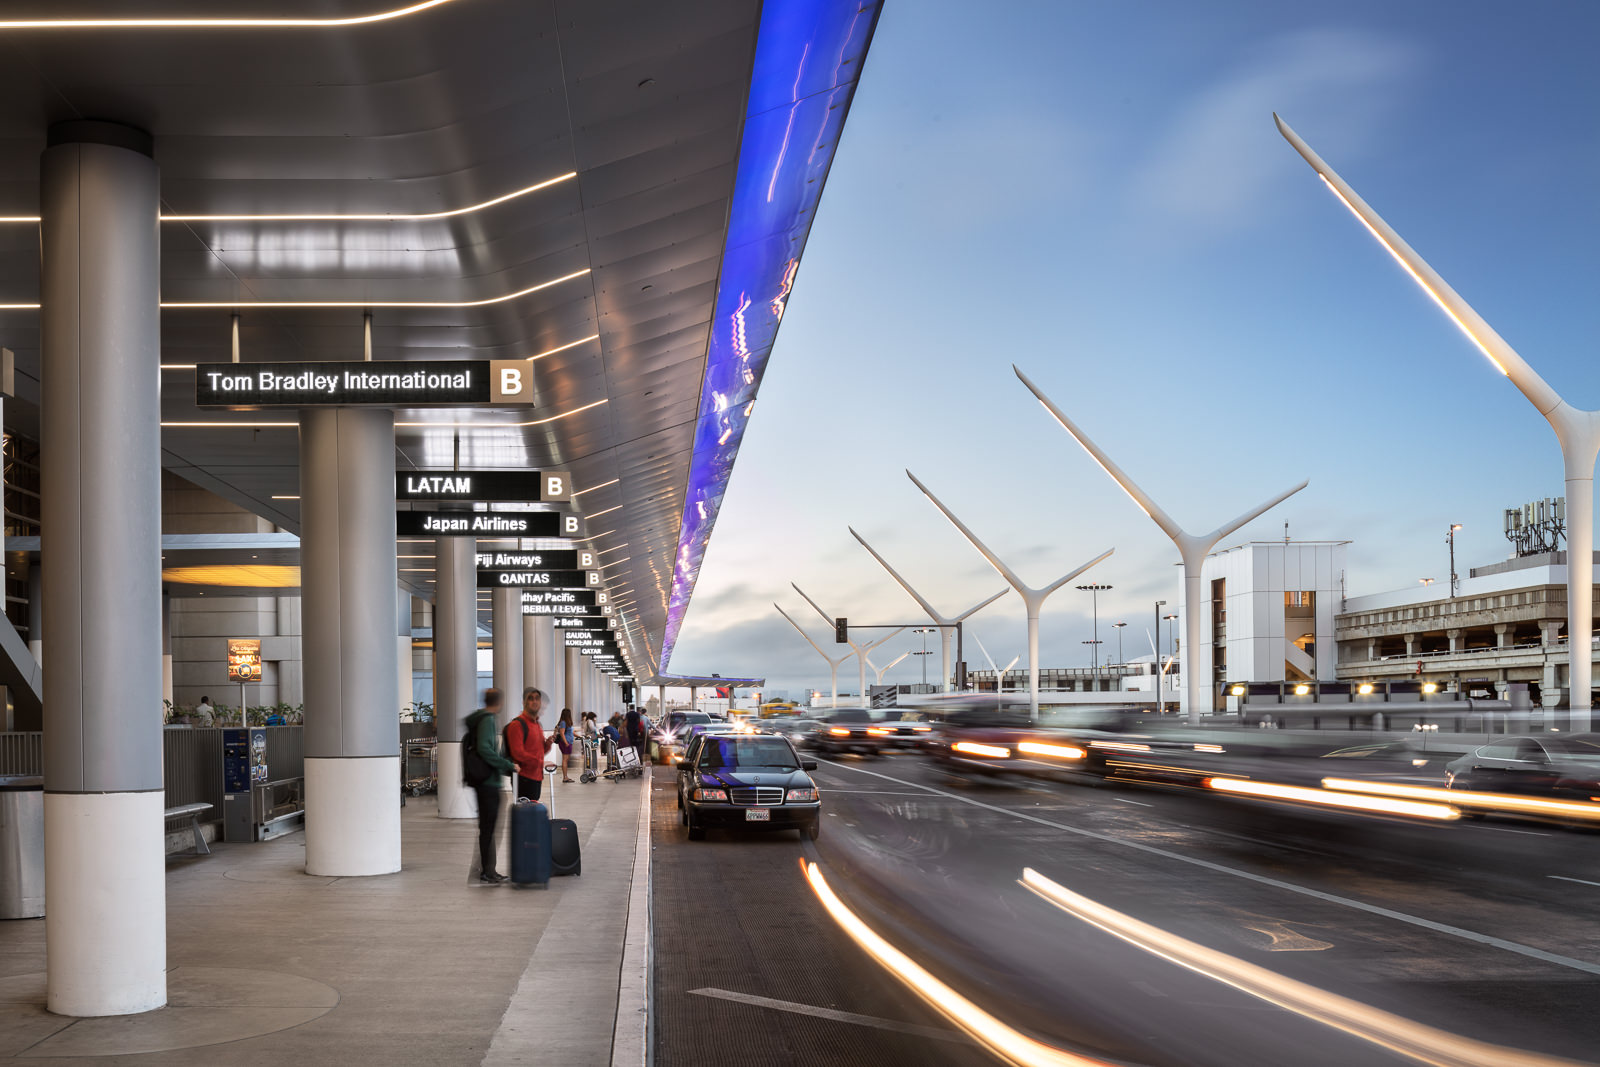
(808, 57)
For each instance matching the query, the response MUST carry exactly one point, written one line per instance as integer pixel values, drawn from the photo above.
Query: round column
(347, 585)
(506, 620)
(455, 666)
(100, 489)
(575, 683)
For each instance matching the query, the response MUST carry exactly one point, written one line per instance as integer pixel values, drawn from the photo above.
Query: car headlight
(877, 731)
(973, 748)
(921, 729)
(838, 731)
(804, 795)
(711, 794)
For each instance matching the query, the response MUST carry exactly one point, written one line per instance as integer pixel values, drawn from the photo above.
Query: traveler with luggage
(636, 735)
(564, 741)
(526, 745)
(481, 767)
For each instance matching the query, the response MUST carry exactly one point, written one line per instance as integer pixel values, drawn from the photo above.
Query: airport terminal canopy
(615, 193)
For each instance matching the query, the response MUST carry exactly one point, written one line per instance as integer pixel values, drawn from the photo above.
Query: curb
(630, 1039)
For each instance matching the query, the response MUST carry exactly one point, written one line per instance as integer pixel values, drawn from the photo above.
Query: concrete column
(540, 666)
(1502, 635)
(1372, 648)
(552, 653)
(1411, 644)
(347, 583)
(506, 621)
(100, 351)
(574, 674)
(455, 666)
(661, 693)
(402, 607)
(166, 647)
(1455, 639)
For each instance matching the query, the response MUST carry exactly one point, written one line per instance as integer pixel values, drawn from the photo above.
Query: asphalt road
(1489, 931)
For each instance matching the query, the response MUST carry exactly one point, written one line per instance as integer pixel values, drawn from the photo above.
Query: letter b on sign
(513, 381)
(557, 486)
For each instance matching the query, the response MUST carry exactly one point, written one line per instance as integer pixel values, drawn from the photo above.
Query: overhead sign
(567, 611)
(586, 622)
(588, 598)
(559, 559)
(552, 579)
(244, 659)
(386, 383)
(487, 524)
(521, 487)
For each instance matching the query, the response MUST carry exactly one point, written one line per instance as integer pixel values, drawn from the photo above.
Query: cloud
(1220, 161)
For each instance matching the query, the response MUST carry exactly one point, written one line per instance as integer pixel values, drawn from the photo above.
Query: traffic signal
(841, 631)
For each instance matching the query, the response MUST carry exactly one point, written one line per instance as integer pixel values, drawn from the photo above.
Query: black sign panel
(587, 598)
(597, 623)
(487, 524)
(397, 383)
(542, 579)
(566, 611)
(558, 559)
(521, 487)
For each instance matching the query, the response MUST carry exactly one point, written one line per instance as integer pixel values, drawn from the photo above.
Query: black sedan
(1559, 766)
(749, 782)
(849, 730)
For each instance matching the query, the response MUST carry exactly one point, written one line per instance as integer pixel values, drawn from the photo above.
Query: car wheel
(680, 800)
(813, 831)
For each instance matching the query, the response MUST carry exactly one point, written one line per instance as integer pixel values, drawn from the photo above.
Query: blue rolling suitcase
(530, 844)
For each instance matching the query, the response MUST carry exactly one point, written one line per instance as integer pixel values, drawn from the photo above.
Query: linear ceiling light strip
(184, 305)
(218, 24)
(428, 216)
(425, 425)
(809, 54)
(541, 355)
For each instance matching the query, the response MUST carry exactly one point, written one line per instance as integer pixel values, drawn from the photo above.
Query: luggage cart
(591, 759)
(422, 766)
(622, 762)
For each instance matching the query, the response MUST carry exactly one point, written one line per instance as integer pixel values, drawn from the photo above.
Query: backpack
(475, 770)
(505, 735)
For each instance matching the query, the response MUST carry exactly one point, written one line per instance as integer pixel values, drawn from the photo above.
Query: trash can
(21, 847)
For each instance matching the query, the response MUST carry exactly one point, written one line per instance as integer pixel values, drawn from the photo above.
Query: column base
(456, 801)
(105, 903)
(352, 816)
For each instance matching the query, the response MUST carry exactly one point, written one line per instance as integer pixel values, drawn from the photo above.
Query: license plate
(757, 815)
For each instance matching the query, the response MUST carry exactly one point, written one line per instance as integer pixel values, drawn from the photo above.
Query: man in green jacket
(486, 740)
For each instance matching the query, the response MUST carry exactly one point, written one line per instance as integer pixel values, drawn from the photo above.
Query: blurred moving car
(906, 730)
(796, 730)
(849, 730)
(670, 737)
(977, 737)
(747, 781)
(1565, 767)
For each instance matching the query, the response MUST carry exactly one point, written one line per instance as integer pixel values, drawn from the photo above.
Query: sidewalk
(268, 966)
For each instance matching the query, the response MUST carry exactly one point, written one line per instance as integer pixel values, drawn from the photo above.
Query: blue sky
(1097, 193)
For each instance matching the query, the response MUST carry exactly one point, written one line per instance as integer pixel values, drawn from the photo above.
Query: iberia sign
(386, 383)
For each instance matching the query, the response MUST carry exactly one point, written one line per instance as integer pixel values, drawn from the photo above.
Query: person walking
(482, 765)
(636, 735)
(526, 745)
(564, 741)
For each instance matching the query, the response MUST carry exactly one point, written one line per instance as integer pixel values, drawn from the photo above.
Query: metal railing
(22, 753)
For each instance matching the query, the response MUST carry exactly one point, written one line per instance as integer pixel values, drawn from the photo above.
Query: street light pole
(1192, 548)
(1577, 431)
(924, 630)
(1160, 702)
(1094, 589)
(1033, 599)
(1117, 626)
(1451, 538)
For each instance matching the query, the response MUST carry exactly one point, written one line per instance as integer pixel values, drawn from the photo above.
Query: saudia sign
(387, 383)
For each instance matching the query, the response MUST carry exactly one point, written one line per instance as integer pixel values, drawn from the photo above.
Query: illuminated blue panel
(808, 56)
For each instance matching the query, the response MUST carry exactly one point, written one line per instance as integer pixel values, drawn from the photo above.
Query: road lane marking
(872, 792)
(1404, 1036)
(1125, 800)
(1331, 898)
(1564, 878)
(790, 1006)
(1509, 830)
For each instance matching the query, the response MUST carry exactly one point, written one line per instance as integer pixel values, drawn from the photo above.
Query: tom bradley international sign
(387, 383)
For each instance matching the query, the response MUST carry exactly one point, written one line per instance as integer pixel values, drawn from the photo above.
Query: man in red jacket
(526, 746)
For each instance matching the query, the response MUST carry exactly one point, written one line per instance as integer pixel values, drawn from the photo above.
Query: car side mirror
(808, 765)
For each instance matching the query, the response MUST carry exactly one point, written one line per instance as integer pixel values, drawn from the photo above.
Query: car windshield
(737, 753)
(851, 715)
(1584, 747)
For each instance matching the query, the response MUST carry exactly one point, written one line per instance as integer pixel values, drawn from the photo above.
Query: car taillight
(973, 748)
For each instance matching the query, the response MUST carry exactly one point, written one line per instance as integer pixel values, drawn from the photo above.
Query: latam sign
(387, 383)
(519, 487)
(487, 524)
